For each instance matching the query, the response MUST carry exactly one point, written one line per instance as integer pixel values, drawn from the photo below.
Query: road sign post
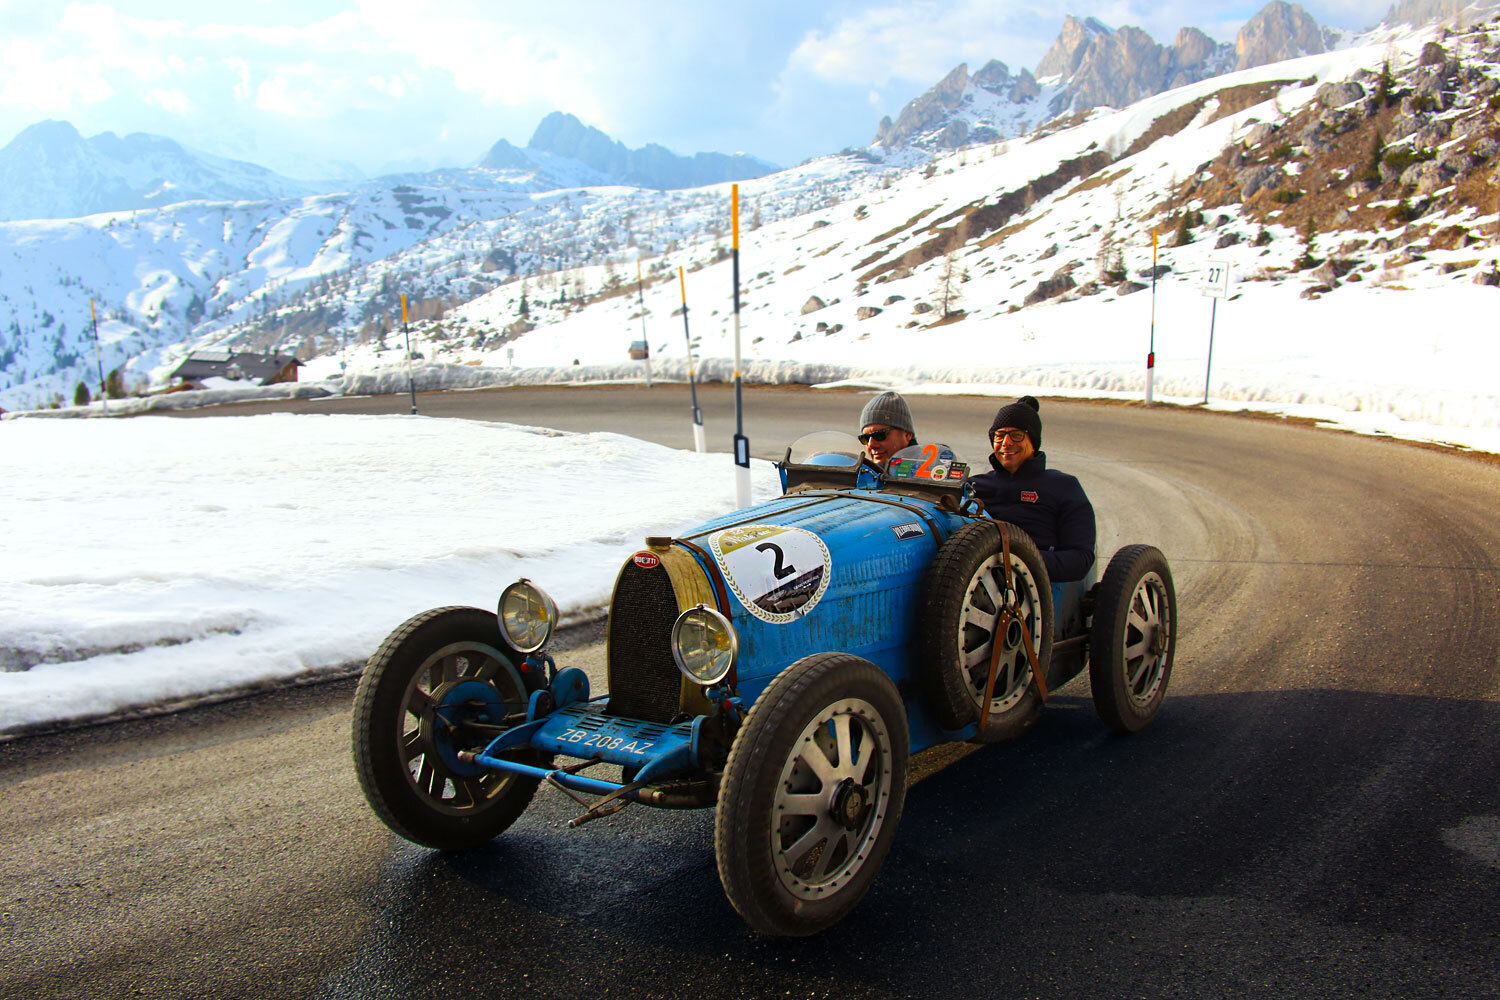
(1216, 281)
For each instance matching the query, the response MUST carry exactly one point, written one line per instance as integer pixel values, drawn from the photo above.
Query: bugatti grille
(643, 679)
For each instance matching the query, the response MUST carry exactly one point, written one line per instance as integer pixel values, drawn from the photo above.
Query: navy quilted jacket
(1048, 505)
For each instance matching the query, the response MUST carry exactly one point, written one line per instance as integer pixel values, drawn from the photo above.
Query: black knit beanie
(1022, 414)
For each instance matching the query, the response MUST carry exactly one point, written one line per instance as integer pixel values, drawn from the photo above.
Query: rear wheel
(811, 795)
(964, 618)
(1133, 638)
(440, 683)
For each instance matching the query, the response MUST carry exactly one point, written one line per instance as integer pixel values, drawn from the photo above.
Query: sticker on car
(911, 529)
(778, 573)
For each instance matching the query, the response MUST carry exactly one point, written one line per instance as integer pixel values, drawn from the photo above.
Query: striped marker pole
(1151, 350)
(698, 441)
(640, 290)
(741, 443)
(411, 381)
(99, 358)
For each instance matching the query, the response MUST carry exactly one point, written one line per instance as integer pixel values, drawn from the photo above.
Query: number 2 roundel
(778, 573)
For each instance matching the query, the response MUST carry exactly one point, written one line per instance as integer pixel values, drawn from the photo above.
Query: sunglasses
(873, 436)
(1016, 436)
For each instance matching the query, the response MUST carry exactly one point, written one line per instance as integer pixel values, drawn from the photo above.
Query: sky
(325, 87)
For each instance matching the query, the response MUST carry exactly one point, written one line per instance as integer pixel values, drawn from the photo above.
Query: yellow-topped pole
(99, 358)
(640, 290)
(741, 443)
(411, 381)
(698, 441)
(1151, 349)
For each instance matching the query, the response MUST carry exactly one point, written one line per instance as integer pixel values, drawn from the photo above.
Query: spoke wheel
(1133, 638)
(969, 608)
(812, 793)
(439, 684)
(831, 799)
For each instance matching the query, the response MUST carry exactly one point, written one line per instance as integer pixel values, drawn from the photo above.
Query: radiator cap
(659, 543)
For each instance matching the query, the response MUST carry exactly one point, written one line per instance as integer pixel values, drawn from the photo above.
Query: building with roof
(250, 368)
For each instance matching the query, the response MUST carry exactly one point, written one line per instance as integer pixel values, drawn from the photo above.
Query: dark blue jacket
(1048, 505)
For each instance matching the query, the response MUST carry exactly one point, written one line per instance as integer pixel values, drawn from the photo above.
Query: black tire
(1133, 638)
(796, 848)
(404, 748)
(955, 636)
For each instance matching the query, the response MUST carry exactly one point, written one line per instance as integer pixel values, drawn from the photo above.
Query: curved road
(1315, 814)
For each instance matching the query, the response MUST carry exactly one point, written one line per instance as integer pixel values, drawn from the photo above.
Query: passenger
(885, 427)
(1048, 505)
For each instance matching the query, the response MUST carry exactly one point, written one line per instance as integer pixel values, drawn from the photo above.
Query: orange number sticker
(930, 453)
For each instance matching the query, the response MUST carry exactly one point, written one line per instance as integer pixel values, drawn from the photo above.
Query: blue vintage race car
(779, 664)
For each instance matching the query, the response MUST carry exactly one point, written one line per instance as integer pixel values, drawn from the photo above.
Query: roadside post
(640, 291)
(698, 442)
(99, 358)
(1216, 284)
(741, 443)
(411, 381)
(1151, 348)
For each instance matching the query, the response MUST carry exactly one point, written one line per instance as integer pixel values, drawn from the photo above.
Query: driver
(885, 427)
(1048, 505)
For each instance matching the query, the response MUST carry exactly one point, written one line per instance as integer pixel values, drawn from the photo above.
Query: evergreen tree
(1184, 230)
(1385, 89)
(81, 395)
(114, 385)
(1309, 243)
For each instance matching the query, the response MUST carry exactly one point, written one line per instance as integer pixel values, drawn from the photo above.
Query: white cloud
(173, 101)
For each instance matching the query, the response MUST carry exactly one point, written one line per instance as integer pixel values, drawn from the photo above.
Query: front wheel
(441, 683)
(811, 795)
(1133, 638)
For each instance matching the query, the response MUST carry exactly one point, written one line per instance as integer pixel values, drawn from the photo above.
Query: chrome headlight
(705, 645)
(527, 616)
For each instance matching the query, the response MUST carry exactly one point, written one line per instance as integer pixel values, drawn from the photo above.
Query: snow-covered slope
(49, 171)
(843, 257)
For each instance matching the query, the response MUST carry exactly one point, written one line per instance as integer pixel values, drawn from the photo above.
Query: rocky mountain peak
(1278, 31)
(1419, 13)
(652, 166)
(1071, 46)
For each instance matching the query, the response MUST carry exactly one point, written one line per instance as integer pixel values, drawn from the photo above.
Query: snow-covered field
(154, 561)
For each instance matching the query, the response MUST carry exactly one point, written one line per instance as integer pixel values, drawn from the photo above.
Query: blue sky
(377, 84)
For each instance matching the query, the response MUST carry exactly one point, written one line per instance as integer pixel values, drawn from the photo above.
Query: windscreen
(834, 449)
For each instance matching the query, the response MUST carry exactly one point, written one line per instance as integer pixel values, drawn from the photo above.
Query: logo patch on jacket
(1029, 496)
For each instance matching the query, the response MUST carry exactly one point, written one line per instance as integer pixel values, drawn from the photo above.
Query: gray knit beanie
(890, 409)
(1022, 414)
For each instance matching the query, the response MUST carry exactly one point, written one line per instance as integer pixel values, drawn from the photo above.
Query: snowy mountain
(564, 136)
(49, 171)
(1091, 65)
(1316, 176)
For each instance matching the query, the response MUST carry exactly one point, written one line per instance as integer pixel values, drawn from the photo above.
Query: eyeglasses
(874, 435)
(1015, 435)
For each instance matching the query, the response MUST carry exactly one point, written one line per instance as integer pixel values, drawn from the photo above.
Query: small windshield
(834, 449)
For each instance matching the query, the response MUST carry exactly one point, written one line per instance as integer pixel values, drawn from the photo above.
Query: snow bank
(156, 560)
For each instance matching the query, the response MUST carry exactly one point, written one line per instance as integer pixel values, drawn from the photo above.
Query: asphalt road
(1315, 813)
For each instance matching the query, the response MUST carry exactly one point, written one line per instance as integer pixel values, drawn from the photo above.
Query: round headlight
(527, 616)
(704, 645)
